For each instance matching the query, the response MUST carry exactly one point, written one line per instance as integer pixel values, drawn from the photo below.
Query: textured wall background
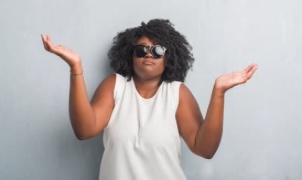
(262, 118)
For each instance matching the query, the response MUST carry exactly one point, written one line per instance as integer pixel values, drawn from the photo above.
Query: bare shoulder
(185, 95)
(187, 102)
(183, 89)
(105, 89)
(109, 81)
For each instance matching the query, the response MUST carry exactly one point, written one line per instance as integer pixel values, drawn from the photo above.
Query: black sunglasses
(157, 51)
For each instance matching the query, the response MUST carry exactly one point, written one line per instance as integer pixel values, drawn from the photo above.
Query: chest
(136, 124)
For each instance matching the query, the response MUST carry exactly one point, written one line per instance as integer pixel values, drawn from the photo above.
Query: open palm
(66, 54)
(230, 80)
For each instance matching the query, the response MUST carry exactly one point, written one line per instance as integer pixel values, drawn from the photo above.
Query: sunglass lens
(158, 51)
(140, 51)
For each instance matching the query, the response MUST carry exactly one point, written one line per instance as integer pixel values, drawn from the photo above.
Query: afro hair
(178, 57)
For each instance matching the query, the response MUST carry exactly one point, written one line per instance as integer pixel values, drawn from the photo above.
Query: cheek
(163, 64)
(135, 63)
(160, 68)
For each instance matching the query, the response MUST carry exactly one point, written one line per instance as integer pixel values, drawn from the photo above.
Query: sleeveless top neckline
(155, 94)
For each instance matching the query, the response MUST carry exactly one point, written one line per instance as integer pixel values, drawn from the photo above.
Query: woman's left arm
(203, 135)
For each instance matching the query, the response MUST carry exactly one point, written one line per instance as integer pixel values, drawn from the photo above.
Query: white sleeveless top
(141, 140)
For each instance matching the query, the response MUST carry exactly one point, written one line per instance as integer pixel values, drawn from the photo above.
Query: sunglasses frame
(150, 48)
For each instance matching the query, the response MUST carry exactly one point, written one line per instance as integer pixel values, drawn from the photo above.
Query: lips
(148, 62)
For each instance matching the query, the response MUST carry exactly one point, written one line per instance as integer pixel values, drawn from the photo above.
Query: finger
(48, 38)
(44, 42)
(43, 38)
(252, 71)
(247, 69)
(48, 44)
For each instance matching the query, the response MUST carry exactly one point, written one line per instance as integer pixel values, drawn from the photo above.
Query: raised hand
(227, 81)
(69, 56)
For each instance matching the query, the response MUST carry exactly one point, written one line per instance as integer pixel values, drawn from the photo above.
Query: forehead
(146, 40)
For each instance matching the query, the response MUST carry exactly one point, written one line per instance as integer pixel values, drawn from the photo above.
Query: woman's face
(148, 67)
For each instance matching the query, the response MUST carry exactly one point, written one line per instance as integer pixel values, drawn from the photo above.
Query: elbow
(82, 136)
(84, 133)
(207, 154)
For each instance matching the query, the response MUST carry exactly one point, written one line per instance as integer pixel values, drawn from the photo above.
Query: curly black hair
(178, 57)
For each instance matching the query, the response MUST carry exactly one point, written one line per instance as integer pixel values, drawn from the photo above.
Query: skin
(88, 119)
(148, 71)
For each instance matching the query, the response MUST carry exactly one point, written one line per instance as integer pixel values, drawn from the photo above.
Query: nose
(148, 53)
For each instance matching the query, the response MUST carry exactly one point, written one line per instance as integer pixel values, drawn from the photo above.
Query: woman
(144, 108)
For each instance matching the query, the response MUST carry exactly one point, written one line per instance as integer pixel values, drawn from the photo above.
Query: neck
(147, 88)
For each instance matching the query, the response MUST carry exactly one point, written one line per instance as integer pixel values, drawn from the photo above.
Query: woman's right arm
(87, 119)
